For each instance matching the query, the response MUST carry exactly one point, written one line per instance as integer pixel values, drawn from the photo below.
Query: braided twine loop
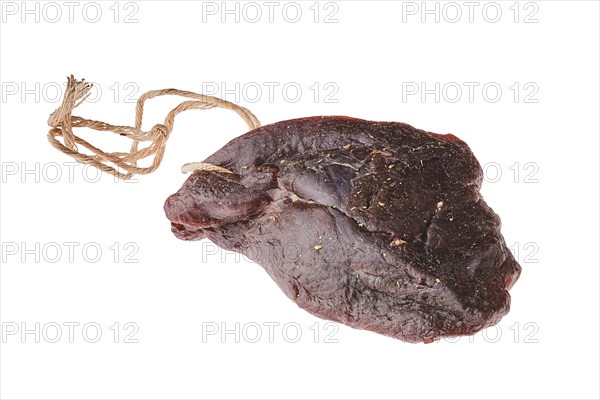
(62, 122)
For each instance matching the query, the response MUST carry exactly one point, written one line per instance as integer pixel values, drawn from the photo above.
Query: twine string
(62, 123)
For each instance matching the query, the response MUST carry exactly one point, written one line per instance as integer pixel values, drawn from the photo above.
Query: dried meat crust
(376, 225)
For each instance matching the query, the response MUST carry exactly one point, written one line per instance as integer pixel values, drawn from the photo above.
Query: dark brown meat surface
(376, 225)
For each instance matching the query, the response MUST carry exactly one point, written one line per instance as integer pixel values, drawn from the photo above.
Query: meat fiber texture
(376, 225)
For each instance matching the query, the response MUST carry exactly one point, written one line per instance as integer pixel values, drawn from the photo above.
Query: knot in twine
(62, 122)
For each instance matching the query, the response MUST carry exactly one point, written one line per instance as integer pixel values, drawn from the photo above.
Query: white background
(546, 347)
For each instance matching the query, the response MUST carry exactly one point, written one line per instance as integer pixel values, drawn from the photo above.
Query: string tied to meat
(124, 165)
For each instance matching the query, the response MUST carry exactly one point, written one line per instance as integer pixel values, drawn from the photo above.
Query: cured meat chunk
(376, 225)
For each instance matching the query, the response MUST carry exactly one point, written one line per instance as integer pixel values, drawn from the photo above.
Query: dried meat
(376, 225)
